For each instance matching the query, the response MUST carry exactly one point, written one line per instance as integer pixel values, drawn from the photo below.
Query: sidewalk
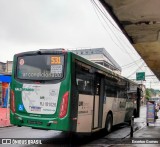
(151, 131)
(148, 135)
(4, 117)
(148, 132)
(145, 136)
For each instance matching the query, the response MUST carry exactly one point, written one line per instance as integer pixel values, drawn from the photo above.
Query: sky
(27, 25)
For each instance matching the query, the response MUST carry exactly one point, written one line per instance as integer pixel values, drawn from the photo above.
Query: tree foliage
(148, 94)
(152, 93)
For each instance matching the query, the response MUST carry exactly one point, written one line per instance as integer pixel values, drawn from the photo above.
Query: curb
(6, 126)
(137, 130)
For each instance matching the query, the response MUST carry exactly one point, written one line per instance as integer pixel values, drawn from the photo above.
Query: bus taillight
(64, 105)
(13, 102)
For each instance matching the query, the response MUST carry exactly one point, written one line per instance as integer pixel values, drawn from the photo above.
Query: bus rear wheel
(109, 121)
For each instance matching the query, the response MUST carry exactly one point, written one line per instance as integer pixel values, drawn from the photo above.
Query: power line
(99, 10)
(133, 66)
(102, 16)
(123, 66)
(104, 13)
(119, 39)
(136, 70)
(152, 78)
(103, 25)
(108, 18)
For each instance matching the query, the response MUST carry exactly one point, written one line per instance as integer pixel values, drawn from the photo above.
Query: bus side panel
(122, 109)
(129, 109)
(15, 86)
(85, 113)
(119, 108)
(109, 105)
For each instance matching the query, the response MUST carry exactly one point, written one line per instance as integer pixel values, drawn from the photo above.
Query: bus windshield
(40, 67)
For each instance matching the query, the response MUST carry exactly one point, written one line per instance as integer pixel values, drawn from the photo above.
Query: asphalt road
(60, 138)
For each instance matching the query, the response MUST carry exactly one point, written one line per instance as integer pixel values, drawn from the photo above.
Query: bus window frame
(84, 71)
(41, 81)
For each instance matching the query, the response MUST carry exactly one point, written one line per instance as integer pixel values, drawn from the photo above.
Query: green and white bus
(56, 89)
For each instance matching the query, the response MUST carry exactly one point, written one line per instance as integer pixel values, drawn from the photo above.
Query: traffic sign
(140, 76)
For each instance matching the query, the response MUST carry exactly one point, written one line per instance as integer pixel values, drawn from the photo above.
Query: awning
(4, 78)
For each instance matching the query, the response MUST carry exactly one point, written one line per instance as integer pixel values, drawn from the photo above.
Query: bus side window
(80, 85)
(122, 89)
(88, 86)
(132, 95)
(84, 81)
(85, 86)
(110, 89)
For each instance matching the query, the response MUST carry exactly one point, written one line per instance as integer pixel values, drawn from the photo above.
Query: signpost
(140, 76)
(150, 112)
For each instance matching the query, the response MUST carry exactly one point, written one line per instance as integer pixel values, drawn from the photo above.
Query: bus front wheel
(109, 121)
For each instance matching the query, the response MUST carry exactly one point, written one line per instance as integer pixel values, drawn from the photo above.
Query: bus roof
(100, 67)
(63, 51)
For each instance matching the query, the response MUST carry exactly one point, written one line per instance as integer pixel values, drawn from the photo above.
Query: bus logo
(35, 108)
(21, 62)
(6, 141)
(24, 89)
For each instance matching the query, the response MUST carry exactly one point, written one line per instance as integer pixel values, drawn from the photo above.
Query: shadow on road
(72, 139)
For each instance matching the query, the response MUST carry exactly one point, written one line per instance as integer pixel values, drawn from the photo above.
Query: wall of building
(6, 68)
(2, 66)
(9, 66)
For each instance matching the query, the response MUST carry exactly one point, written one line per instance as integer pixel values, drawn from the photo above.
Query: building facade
(9, 67)
(6, 68)
(2, 67)
(99, 56)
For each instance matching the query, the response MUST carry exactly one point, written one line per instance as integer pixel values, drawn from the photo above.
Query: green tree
(148, 94)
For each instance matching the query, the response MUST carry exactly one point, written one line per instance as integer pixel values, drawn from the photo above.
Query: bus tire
(109, 121)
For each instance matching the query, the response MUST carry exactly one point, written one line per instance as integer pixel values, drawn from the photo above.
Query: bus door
(85, 87)
(98, 102)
